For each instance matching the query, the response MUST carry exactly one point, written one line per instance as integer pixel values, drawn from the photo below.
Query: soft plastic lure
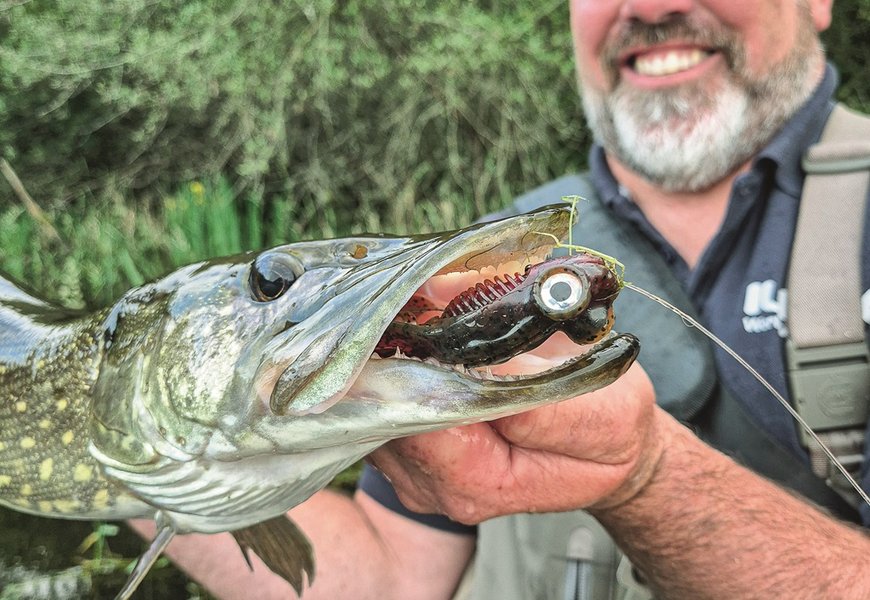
(511, 314)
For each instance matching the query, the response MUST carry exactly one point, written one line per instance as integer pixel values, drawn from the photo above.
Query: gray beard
(687, 139)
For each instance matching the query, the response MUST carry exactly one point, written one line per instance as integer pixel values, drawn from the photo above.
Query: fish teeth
(483, 373)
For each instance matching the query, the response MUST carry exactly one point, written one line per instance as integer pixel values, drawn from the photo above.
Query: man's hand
(595, 450)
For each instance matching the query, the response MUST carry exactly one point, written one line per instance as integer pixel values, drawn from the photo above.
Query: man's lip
(627, 60)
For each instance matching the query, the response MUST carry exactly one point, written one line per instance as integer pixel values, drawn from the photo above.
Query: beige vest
(566, 556)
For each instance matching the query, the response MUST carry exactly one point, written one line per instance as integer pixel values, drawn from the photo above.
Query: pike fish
(217, 398)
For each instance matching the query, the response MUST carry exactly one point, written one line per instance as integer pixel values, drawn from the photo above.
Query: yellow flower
(198, 191)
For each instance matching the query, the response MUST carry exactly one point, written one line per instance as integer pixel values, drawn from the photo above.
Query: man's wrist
(649, 465)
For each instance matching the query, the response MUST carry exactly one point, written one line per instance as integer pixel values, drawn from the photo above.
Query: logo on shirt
(764, 307)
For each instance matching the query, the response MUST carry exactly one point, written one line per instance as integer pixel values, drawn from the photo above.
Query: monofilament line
(694, 323)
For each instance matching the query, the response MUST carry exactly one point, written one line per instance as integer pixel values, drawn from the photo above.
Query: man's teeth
(674, 61)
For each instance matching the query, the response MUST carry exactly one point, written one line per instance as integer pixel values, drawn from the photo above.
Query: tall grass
(108, 247)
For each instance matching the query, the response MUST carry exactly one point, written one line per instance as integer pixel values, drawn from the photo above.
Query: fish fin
(146, 561)
(283, 548)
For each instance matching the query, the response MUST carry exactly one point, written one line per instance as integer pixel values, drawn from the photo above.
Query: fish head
(311, 381)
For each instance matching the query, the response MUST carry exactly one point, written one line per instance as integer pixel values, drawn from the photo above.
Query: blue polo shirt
(737, 287)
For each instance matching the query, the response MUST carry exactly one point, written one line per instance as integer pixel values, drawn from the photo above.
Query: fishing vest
(569, 555)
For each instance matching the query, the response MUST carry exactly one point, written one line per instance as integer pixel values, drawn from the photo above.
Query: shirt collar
(804, 129)
(784, 151)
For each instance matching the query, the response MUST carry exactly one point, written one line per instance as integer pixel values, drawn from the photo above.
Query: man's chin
(682, 143)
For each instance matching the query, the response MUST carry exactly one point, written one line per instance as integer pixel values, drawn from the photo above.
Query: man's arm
(705, 527)
(362, 550)
(696, 524)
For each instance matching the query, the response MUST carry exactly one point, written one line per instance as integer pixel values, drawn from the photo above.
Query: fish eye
(272, 275)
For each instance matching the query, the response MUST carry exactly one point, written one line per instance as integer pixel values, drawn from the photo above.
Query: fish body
(222, 395)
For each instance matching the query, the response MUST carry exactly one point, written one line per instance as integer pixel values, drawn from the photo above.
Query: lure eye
(561, 294)
(272, 275)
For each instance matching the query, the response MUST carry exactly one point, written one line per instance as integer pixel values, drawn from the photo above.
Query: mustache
(680, 28)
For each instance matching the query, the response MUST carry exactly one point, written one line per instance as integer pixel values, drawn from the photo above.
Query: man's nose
(654, 11)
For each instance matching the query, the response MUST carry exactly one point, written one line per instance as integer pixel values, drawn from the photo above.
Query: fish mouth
(447, 331)
(496, 317)
(501, 249)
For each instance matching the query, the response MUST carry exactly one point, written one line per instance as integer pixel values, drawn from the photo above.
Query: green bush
(848, 47)
(365, 109)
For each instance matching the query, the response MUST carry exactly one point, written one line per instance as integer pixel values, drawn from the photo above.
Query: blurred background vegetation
(298, 119)
(156, 132)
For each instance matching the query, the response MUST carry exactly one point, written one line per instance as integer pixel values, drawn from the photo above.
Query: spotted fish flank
(36, 476)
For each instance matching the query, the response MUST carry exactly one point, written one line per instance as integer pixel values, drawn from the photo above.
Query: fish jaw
(423, 396)
(397, 397)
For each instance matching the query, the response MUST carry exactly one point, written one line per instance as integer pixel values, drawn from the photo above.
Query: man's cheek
(592, 22)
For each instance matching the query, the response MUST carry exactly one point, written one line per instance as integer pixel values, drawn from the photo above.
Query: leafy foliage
(847, 47)
(365, 109)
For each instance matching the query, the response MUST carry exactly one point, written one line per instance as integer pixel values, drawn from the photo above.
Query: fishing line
(743, 363)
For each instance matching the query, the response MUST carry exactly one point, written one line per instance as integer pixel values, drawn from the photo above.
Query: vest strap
(829, 223)
(726, 426)
(826, 353)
